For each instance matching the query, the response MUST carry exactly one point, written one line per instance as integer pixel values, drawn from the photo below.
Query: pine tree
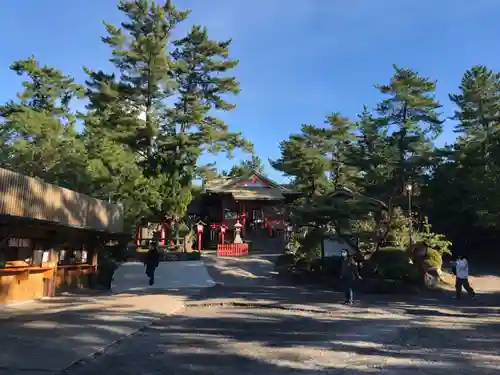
(374, 156)
(134, 114)
(39, 129)
(191, 127)
(478, 112)
(412, 112)
(476, 155)
(339, 138)
(304, 158)
(139, 49)
(245, 167)
(127, 111)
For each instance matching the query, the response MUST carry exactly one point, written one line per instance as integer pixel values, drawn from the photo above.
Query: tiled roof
(257, 194)
(226, 184)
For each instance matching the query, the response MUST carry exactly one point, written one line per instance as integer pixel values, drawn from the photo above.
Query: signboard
(332, 247)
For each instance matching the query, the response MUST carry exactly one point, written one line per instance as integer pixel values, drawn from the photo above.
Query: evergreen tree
(245, 167)
(374, 156)
(191, 127)
(339, 139)
(469, 170)
(411, 111)
(478, 110)
(127, 112)
(130, 111)
(304, 158)
(39, 129)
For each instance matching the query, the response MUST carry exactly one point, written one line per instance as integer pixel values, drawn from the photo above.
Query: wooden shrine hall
(254, 201)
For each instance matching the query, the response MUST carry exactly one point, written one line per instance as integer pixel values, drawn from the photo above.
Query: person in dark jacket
(151, 262)
(349, 274)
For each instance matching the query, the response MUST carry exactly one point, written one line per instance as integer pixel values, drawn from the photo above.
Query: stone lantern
(237, 232)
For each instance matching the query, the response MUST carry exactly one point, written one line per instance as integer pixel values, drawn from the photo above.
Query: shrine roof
(253, 184)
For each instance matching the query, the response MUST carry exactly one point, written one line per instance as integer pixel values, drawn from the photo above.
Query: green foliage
(392, 263)
(399, 229)
(183, 230)
(145, 127)
(437, 242)
(158, 109)
(303, 157)
(38, 130)
(246, 167)
(301, 249)
(310, 245)
(434, 259)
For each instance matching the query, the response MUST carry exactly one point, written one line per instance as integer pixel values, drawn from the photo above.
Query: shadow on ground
(254, 325)
(273, 341)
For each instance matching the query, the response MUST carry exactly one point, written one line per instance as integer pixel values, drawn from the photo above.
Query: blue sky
(299, 59)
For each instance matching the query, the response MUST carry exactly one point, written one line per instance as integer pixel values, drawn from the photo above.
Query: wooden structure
(259, 203)
(49, 237)
(232, 250)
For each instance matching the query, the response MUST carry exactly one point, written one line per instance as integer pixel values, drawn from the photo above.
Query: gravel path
(345, 340)
(250, 325)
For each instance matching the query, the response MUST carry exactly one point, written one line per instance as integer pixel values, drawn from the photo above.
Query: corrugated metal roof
(27, 197)
(257, 194)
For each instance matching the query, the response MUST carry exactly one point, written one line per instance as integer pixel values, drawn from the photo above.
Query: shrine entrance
(255, 202)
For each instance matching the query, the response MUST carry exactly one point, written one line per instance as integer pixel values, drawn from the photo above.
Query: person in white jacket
(462, 277)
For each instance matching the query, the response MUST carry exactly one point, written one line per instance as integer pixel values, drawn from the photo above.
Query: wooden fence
(232, 250)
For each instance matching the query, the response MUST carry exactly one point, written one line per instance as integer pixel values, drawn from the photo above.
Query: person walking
(462, 277)
(348, 274)
(151, 262)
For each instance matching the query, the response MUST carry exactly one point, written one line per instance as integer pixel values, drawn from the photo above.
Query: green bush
(433, 240)
(434, 259)
(183, 230)
(392, 263)
(388, 255)
(310, 245)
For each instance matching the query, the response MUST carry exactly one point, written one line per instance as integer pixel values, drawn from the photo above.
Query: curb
(270, 306)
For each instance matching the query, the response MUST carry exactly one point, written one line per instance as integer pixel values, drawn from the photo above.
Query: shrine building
(254, 200)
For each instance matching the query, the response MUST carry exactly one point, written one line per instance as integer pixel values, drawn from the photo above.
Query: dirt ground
(249, 324)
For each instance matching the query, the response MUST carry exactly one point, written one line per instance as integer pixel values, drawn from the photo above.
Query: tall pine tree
(411, 112)
(39, 129)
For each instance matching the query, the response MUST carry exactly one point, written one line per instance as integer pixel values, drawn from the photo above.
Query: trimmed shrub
(391, 263)
(434, 259)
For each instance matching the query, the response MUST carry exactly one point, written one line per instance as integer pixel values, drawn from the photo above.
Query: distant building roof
(260, 187)
(346, 192)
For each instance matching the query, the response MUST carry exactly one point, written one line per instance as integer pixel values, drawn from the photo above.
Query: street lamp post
(409, 189)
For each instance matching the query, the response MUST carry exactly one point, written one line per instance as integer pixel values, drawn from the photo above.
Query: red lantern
(222, 232)
(199, 230)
